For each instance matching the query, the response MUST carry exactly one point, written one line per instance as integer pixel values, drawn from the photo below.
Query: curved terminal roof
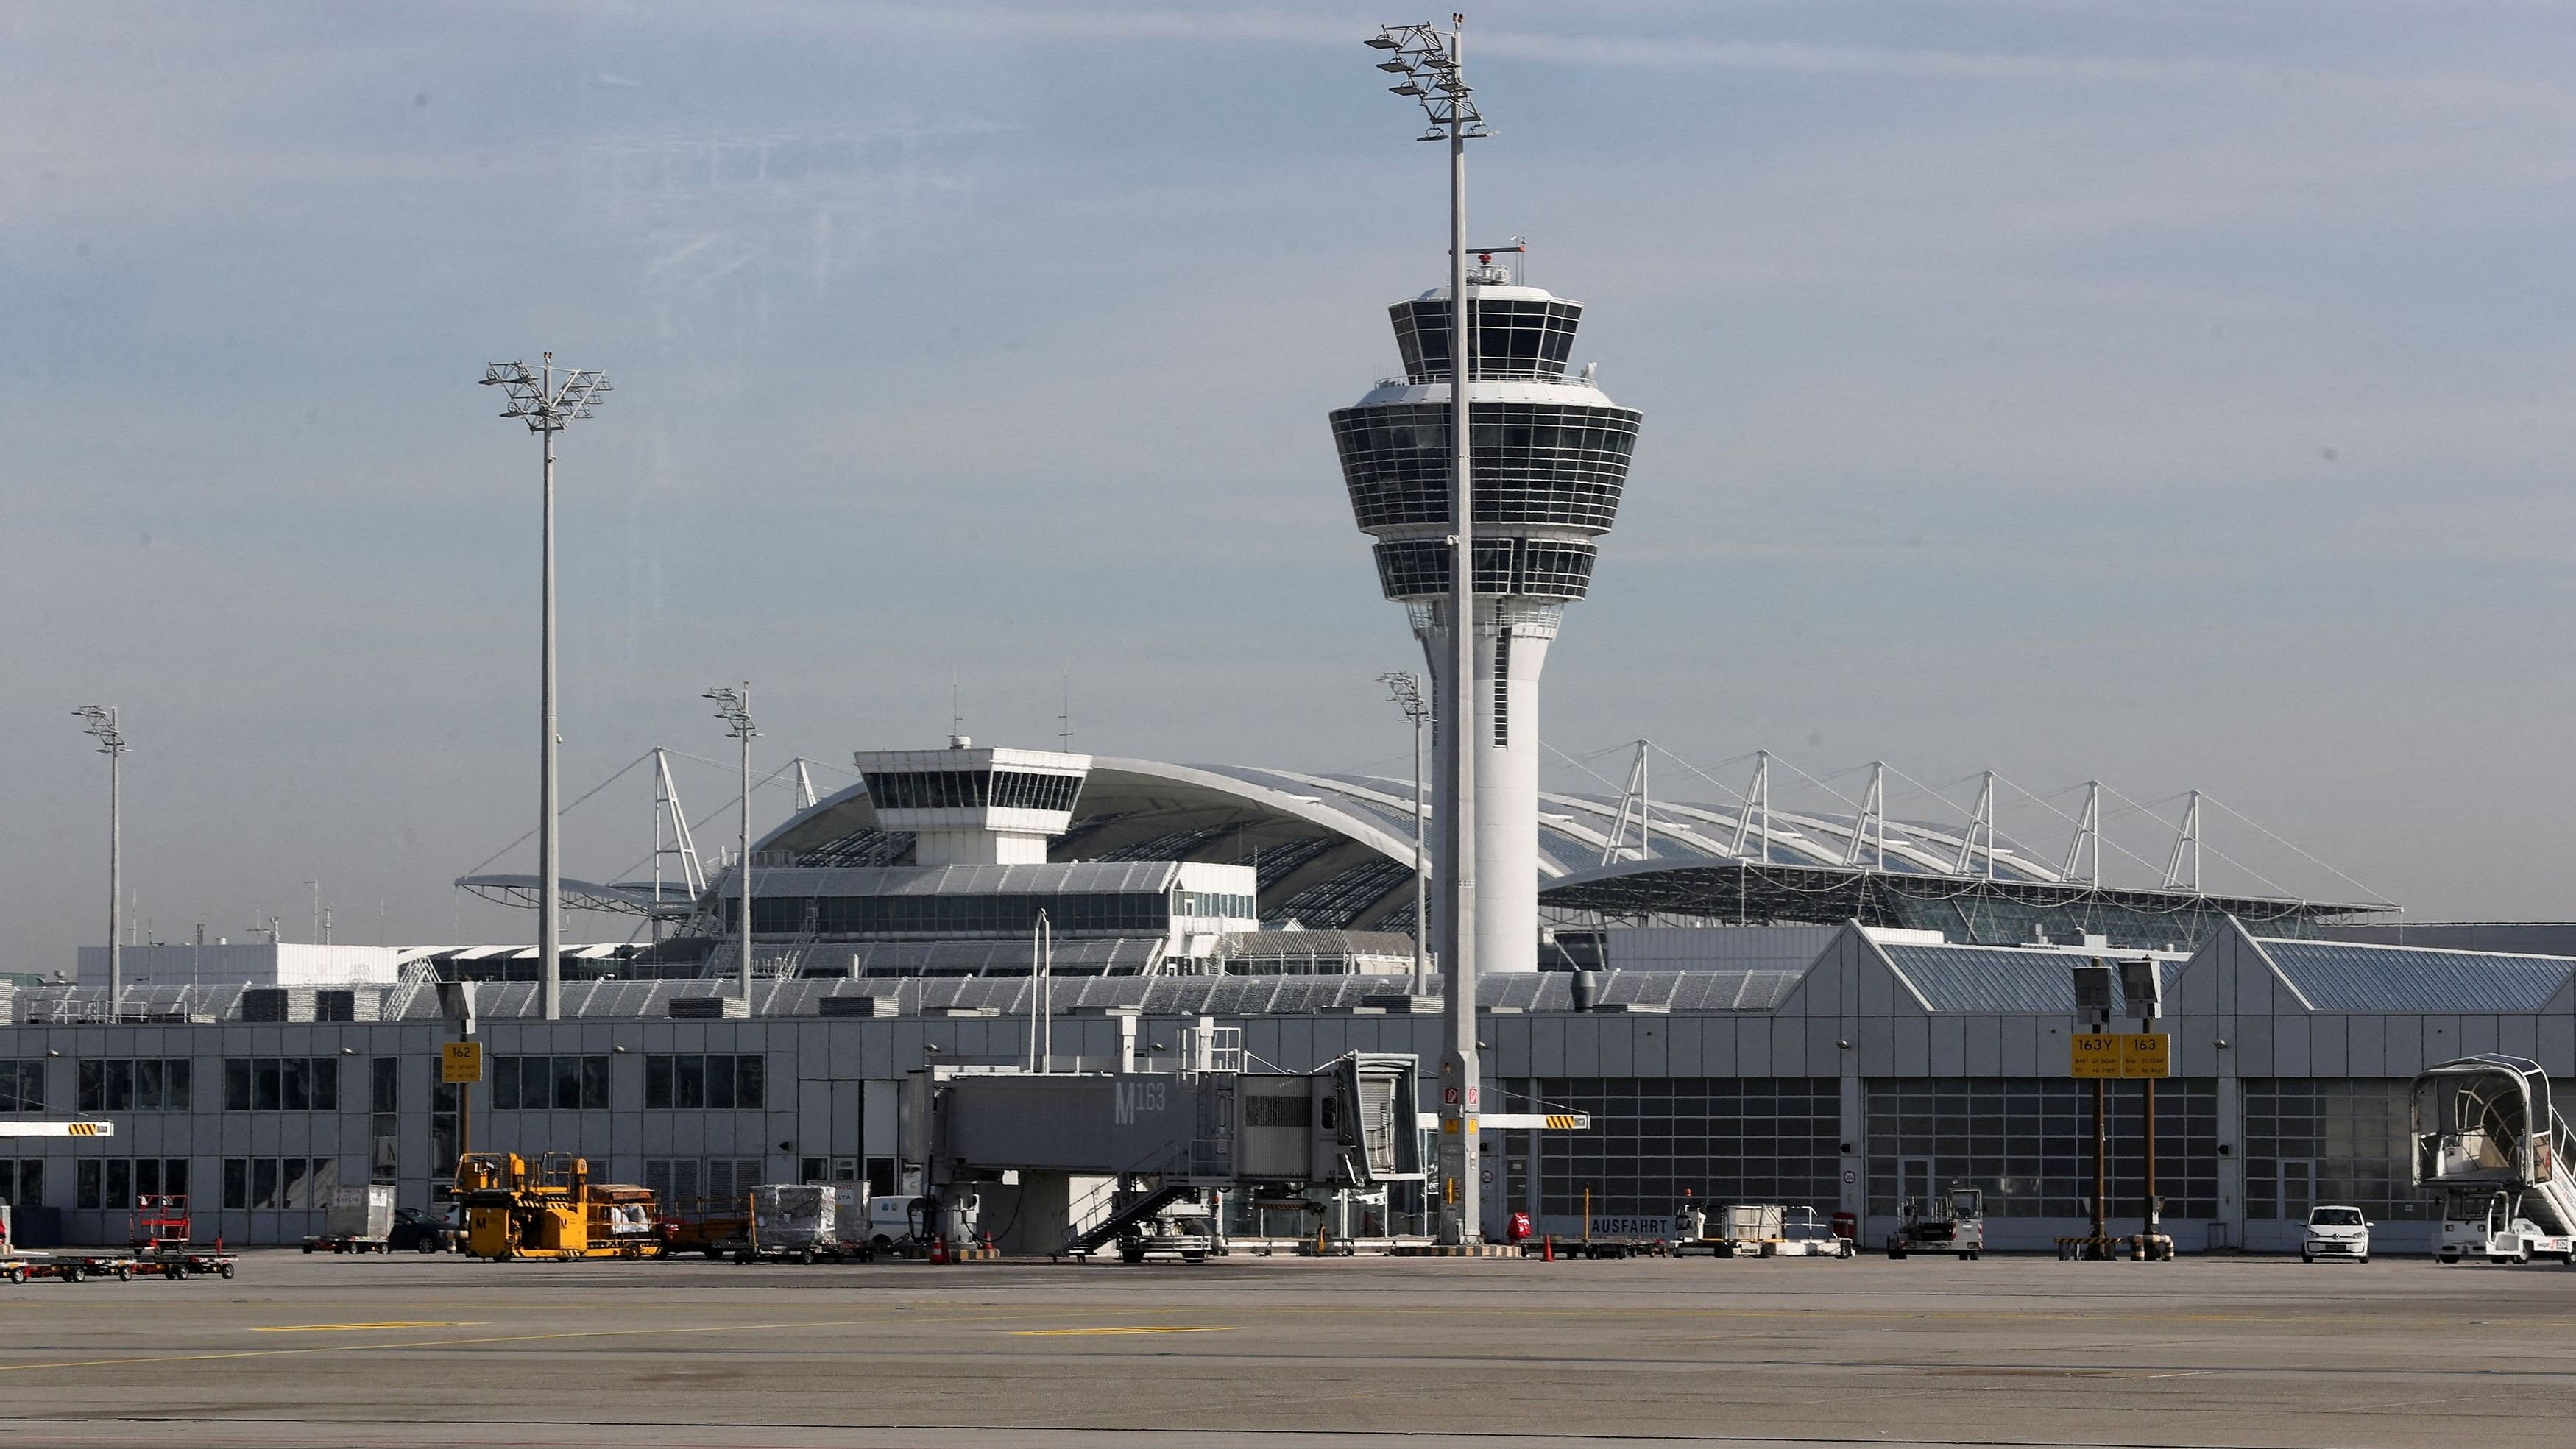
(1334, 851)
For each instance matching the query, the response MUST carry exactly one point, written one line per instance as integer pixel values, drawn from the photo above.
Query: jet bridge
(1155, 1136)
(2484, 1125)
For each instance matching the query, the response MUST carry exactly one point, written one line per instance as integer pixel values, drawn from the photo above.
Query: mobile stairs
(2490, 1144)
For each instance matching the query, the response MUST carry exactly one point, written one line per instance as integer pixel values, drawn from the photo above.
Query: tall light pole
(1405, 688)
(734, 708)
(111, 743)
(1429, 67)
(546, 399)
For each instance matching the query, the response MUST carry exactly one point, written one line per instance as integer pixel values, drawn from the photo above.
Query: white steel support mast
(734, 708)
(1431, 65)
(546, 399)
(1406, 688)
(111, 743)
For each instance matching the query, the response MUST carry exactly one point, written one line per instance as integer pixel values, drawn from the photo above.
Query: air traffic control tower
(1547, 462)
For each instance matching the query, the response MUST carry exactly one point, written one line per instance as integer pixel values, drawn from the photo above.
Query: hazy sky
(2174, 393)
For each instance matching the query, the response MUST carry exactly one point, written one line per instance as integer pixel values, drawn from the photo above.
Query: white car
(2335, 1232)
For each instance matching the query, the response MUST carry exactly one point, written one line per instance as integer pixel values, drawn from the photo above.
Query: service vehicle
(885, 1224)
(1185, 1229)
(1806, 1233)
(2488, 1226)
(2489, 1143)
(1953, 1223)
(551, 1209)
(1727, 1230)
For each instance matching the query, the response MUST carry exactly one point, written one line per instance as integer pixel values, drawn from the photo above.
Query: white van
(884, 1223)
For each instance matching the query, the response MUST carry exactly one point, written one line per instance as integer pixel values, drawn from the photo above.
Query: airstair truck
(2488, 1142)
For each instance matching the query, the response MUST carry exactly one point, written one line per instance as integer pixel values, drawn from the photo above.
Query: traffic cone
(939, 1248)
(1547, 1249)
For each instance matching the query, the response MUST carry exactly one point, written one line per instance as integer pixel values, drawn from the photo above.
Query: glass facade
(2309, 1142)
(973, 789)
(1726, 1139)
(1213, 903)
(539, 1084)
(114, 1183)
(293, 1183)
(1546, 464)
(700, 1183)
(1526, 339)
(22, 1085)
(22, 1181)
(281, 1084)
(2029, 1143)
(149, 1084)
(1114, 913)
(1418, 568)
(721, 1081)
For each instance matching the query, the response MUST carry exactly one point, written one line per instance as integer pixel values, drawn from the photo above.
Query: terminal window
(1214, 903)
(22, 1181)
(717, 1081)
(958, 915)
(1725, 1139)
(115, 1182)
(281, 1084)
(2344, 1142)
(146, 1084)
(292, 1183)
(2029, 1143)
(22, 1086)
(538, 1084)
(693, 1183)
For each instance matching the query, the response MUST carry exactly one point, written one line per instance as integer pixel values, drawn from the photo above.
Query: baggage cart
(358, 1219)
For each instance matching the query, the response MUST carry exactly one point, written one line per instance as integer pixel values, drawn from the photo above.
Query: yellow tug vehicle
(551, 1209)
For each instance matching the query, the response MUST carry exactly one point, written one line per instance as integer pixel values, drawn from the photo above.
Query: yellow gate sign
(2122, 1054)
(460, 1061)
(2097, 1054)
(2146, 1054)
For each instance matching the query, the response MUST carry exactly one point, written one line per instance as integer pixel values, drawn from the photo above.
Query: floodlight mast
(546, 399)
(1405, 687)
(1430, 64)
(111, 743)
(734, 708)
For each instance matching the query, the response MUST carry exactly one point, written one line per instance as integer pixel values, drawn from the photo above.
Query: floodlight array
(546, 397)
(1426, 64)
(735, 710)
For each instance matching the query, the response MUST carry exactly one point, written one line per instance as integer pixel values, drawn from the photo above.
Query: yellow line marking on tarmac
(357, 1327)
(1139, 1328)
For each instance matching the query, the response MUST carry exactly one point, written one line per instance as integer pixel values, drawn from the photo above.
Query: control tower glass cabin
(1548, 461)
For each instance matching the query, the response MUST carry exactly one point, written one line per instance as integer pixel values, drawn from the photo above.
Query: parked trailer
(358, 1219)
(161, 1229)
(716, 1226)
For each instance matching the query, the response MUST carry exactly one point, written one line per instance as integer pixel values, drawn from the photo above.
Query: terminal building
(1752, 1003)
(1885, 1063)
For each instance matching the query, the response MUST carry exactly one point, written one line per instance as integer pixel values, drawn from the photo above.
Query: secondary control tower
(1547, 462)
